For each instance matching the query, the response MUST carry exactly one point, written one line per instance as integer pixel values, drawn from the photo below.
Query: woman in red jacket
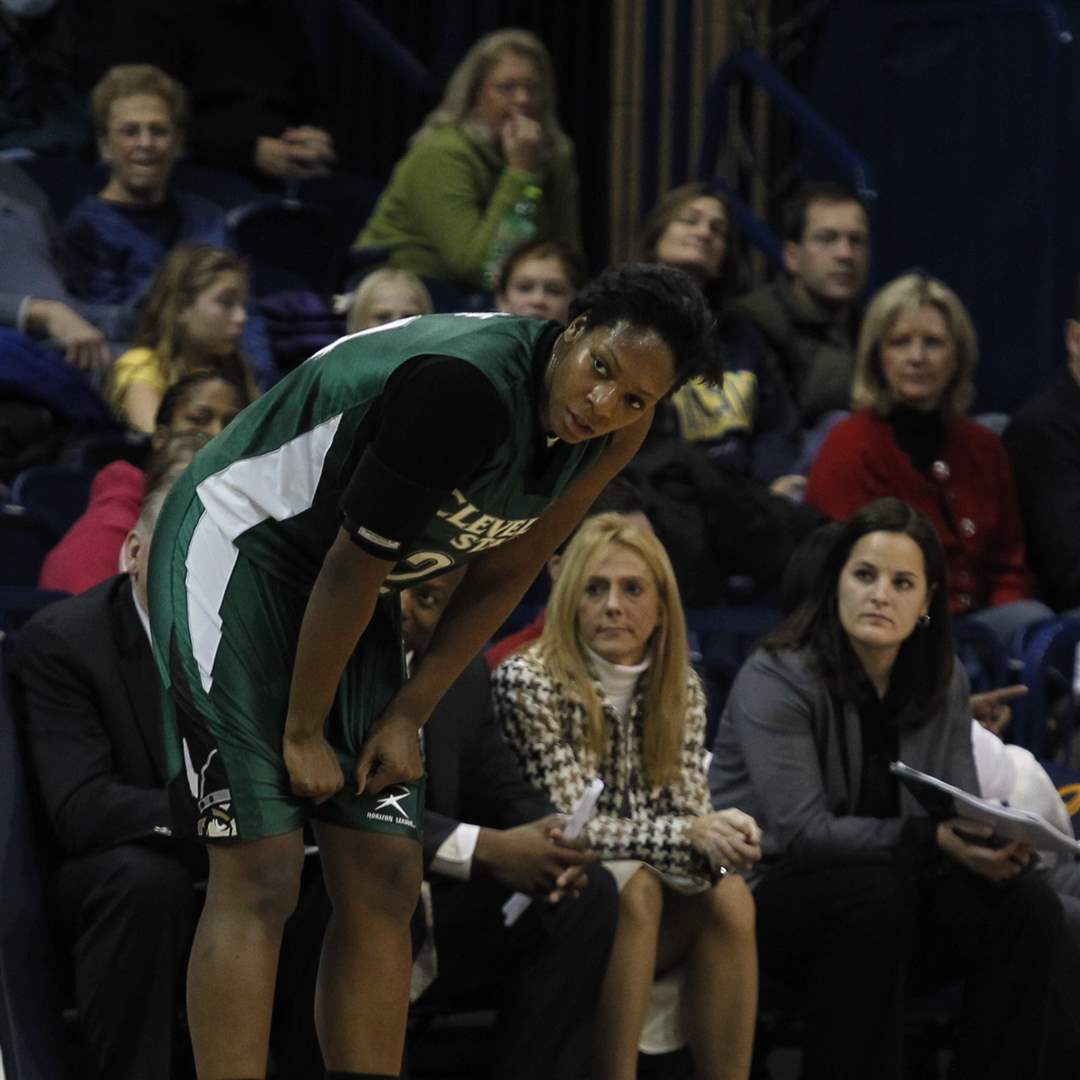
(909, 438)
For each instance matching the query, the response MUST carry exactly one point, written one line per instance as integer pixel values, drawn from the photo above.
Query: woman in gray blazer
(860, 896)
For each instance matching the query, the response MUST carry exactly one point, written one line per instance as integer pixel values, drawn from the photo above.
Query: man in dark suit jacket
(488, 833)
(122, 886)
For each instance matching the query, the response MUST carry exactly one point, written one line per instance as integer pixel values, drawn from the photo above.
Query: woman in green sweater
(493, 136)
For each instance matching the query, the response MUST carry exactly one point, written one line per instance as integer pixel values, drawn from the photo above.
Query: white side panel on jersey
(277, 485)
(215, 556)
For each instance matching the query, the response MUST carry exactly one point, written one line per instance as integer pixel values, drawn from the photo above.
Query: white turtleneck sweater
(618, 680)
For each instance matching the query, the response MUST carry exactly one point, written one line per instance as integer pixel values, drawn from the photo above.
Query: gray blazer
(779, 756)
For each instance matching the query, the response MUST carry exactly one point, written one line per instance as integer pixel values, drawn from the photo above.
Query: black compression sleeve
(439, 420)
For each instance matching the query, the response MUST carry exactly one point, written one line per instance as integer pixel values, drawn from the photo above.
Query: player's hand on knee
(391, 755)
(314, 772)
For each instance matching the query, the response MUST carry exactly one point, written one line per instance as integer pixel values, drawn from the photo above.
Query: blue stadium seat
(291, 245)
(985, 659)
(25, 540)
(104, 447)
(1049, 659)
(56, 493)
(721, 638)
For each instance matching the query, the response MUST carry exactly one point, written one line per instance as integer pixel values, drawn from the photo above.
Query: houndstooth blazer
(546, 725)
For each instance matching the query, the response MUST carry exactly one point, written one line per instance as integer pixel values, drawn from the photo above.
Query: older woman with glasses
(493, 143)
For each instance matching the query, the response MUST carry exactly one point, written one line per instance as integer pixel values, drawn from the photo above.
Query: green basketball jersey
(272, 481)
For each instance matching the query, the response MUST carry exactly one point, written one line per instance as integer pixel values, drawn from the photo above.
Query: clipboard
(943, 801)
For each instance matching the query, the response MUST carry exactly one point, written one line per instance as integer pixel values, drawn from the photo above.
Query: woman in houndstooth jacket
(608, 691)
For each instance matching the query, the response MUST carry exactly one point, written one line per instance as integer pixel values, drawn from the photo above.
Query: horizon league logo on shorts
(389, 806)
(215, 818)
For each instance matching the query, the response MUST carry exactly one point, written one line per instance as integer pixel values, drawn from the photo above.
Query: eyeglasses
(513, 86)
(133, 131)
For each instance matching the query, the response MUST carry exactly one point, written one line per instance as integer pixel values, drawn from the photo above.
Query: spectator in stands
(192, 321)
(619, 497)
(692, 226)
(122, 888)
(608, 691)
(749, 422)
(860, 894)
(910, 439)
(1006, 773)
(717, 471)
(1043, 441)
(117, 238)
(387, 295)
(254, 109)
(809, 316)
(116, 241)
(488, 833)
(494, 137)
(539, 279)
(89, 552)
(33, 297)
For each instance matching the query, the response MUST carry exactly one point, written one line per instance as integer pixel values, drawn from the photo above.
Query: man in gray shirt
(32, 294)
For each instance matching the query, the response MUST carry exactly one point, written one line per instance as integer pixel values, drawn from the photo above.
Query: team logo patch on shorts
(396, 806)
(214, 808)
(217, 821)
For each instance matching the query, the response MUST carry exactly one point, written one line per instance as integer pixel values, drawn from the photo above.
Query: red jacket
(89, 552)
(515, 642)
(970, 498)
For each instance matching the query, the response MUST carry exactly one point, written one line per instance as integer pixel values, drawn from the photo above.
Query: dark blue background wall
(966, 111)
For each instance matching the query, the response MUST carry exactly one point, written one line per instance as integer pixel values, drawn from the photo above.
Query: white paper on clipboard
(516, 906)
(943, 801)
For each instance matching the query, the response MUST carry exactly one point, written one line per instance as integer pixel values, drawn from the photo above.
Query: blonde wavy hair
(363, 302)
(463, 86)
(562, 651)
(907, 293)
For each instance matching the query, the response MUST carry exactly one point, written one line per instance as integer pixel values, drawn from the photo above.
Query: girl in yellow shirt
(192, 321)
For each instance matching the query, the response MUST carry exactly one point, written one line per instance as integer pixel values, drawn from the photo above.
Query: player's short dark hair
(660, 298)
(797, 209)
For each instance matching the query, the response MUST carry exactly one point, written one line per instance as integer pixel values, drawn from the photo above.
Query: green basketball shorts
(226, 632)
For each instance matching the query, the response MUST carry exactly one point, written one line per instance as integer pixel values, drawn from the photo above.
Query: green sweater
(446, 197)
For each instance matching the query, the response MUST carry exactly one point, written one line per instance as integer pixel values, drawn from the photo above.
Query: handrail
(805, 117)
(367, 26)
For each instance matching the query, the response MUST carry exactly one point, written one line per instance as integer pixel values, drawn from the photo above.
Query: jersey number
(421, 564)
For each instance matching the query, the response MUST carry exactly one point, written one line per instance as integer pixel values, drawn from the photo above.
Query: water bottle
(517, 227)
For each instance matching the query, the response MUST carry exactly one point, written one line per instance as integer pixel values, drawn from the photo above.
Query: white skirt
(663, 1031)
